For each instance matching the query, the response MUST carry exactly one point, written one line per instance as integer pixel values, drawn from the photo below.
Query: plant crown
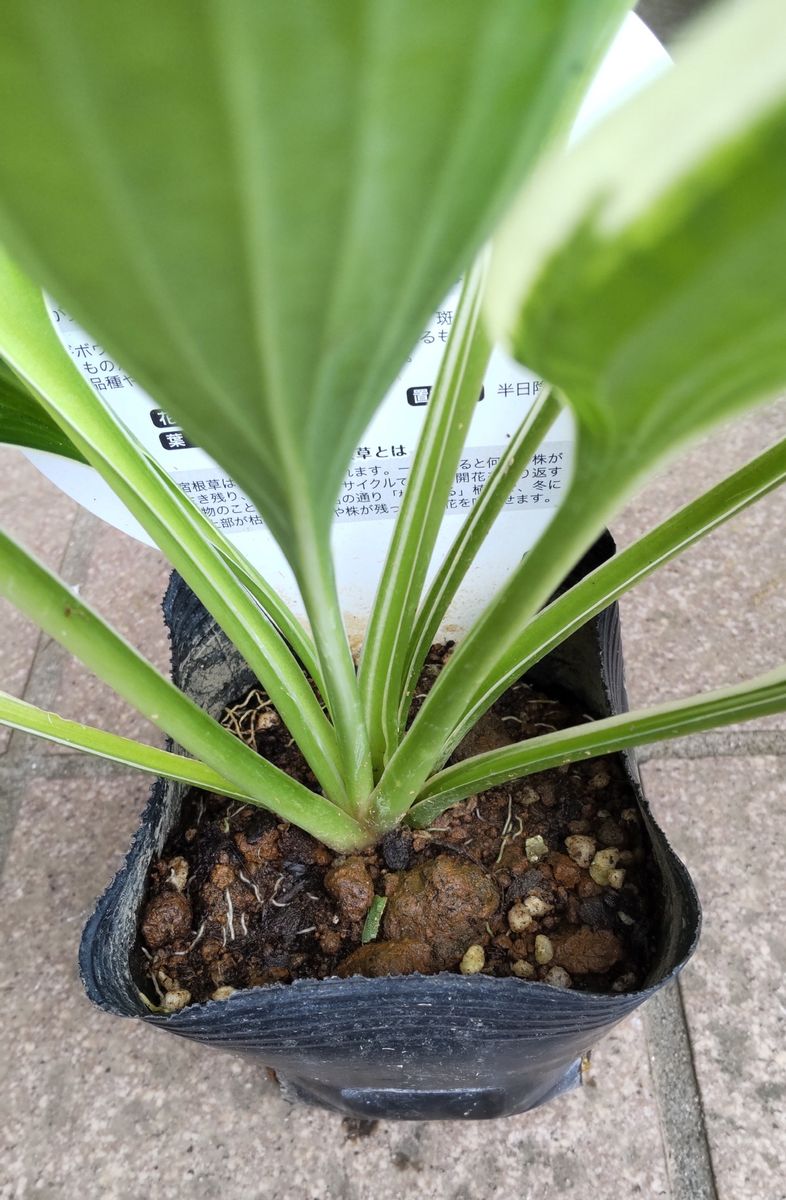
(199, 183)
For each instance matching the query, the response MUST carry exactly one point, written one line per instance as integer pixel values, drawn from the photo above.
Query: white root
(280, 903)
(230, 915)
(250, 883)
(199, 933)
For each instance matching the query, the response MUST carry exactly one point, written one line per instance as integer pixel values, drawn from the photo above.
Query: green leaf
(35, 591)
(251, 578)
(648, 287)
(514, 459)
(653, 292)
(18, 714)
(373, 919)
(450, 409)
(23, 422)
(30, 344)
(756, 698)
(596, 591)
(438, 727)
(261, 234)
(486, 646)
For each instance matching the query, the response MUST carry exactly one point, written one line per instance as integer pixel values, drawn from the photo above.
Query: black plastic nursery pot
(402, 1047)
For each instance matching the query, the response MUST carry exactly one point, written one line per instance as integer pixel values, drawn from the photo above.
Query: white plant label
(376, 477)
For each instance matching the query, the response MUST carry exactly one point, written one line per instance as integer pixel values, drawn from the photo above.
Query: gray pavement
(685, 1100)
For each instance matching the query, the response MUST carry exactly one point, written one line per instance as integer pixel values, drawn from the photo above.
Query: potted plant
(231, 199)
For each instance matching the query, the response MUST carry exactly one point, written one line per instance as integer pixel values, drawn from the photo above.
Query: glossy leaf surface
(27, 718)
(257, 205)
(641, 274)
(23, 422)
(654, 294)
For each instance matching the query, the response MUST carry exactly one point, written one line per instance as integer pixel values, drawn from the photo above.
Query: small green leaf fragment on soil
(373, 919)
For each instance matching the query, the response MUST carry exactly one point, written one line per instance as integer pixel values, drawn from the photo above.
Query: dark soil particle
(240, 899)
(357, 1128)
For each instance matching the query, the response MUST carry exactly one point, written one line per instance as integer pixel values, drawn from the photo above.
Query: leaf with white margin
(642, 273)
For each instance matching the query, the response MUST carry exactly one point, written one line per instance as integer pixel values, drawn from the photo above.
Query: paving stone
(36, 513)
(726, 820)
(97, 1106)
(679, 1104)
(125, 582)
(716, 614)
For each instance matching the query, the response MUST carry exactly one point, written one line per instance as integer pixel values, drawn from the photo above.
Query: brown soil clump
(445, 902)
(403, 957)
(351, 886)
